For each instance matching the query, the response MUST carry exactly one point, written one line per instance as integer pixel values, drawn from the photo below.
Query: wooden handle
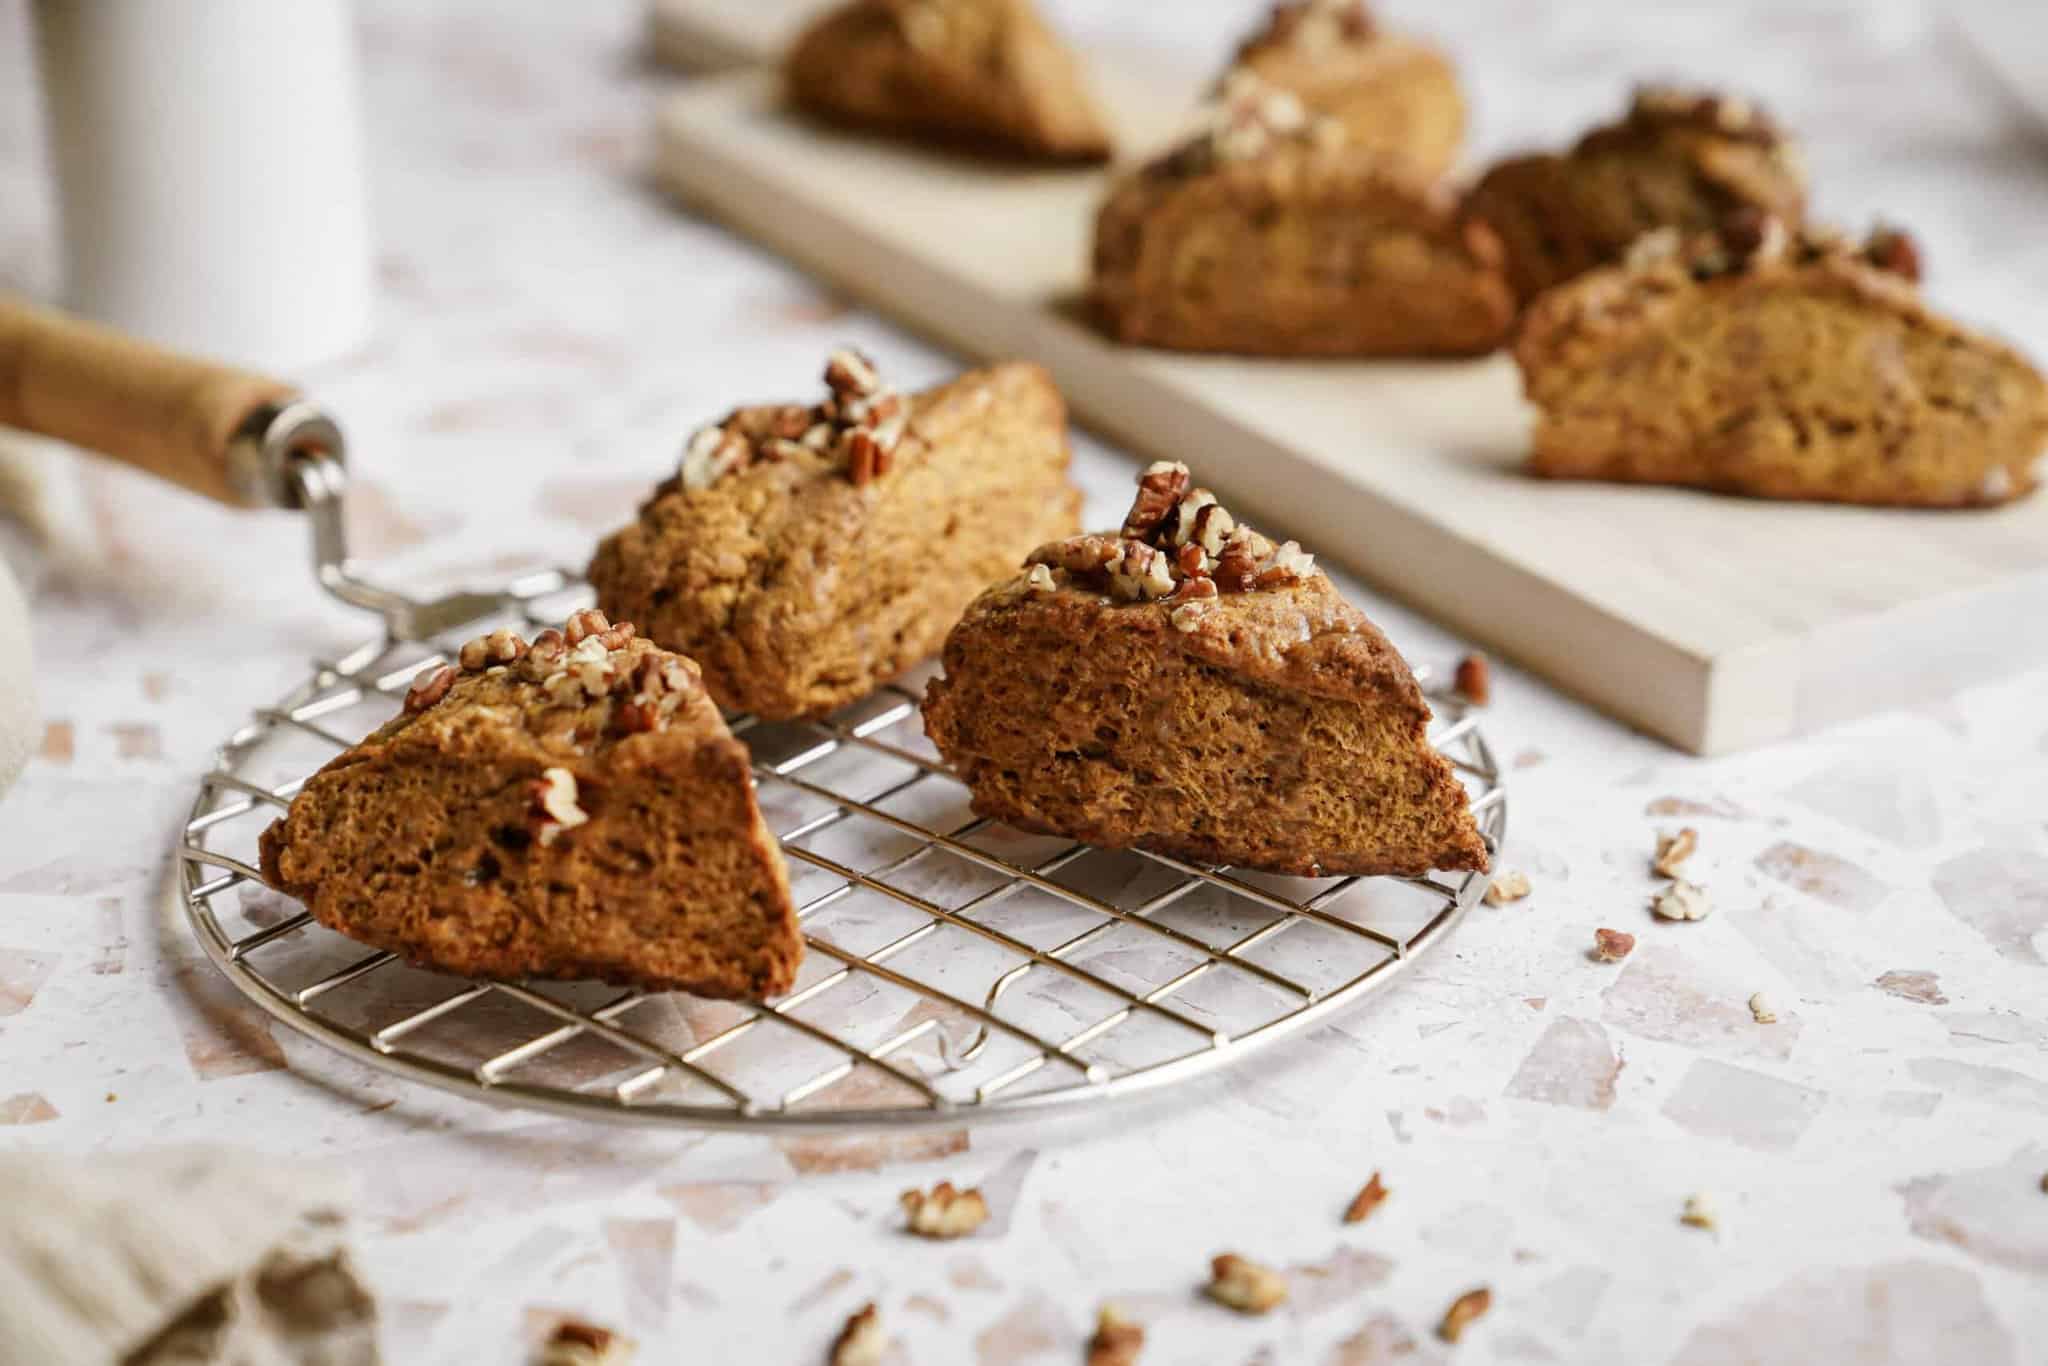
(170, 415)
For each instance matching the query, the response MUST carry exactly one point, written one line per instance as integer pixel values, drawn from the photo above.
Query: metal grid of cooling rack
(958, 971)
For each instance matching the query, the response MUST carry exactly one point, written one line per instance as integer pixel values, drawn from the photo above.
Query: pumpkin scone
(1391, 93)
(804, 556)
(1781, 364)
(1680, 159)
(569, 808)
(1270, 233)
(1186, 686)
(986, 75)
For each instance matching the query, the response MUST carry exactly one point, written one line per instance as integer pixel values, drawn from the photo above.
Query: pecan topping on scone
(1249, 118)
(590, 662)
(858, 427)
(1749, 239)
(1178, 543)
(1317, 26)
(1708, 111)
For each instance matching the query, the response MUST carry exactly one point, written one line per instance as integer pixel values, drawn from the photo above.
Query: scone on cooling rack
(1391, 94)
(1187, 686)
(1777, 363)
(569, 808)
(985, 75)
(1270, 233)
(1679, 159)
(804, 556)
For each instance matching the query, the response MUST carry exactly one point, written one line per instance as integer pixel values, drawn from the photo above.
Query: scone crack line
(858, 427)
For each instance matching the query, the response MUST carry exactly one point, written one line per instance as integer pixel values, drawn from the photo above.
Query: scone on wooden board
(1270, 233)
(1186, 686)
(804, 556)
(982, 75)
(1680, 159)
(1781, 364)
(570, 808)
(1391, 93)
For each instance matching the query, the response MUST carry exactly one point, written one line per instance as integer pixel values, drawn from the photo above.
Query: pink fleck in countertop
(549, 328)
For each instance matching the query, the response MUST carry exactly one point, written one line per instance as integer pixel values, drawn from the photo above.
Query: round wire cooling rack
(958, 971)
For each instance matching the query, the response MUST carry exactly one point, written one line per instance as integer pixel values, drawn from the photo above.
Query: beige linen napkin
(176, 1258)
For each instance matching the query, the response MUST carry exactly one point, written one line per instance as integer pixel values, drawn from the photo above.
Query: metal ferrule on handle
(227, 434)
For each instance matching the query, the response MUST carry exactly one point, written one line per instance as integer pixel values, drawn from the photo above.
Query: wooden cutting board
(1713, 622)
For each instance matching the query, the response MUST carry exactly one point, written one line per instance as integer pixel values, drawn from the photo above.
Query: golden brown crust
(988, 75)
(799, 591)
(522, 826)
(1190, 688)
(1392, 94)
(1302, 251)
(1677, 159)
(1809, 373)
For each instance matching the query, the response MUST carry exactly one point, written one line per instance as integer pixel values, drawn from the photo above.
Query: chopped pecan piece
(944, 1212)
(1140, 572)
(1894, 249)
(1474, 679)
(1700, 1213)
(1683, 900)
(1511, 884)
(861, 1341)
(1289, 565)
(1079, 554)
(1159, 491)
(1244, 1285)
(430, 687)
(1366, 1201)
(584, 624)
(1237, 566)
(1187, 516)
(848, 373)
(555, 797)
(1611, 946)
(1674, 850)
(1117, 1340)
(866, 459)
(574, 1343)
(1463, 1310)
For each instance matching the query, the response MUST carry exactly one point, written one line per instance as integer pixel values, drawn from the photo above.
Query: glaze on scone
(1270, 232)
(572, 808)
(805, 556)
(1393, 95)
(1680, 159)
(988, 75)
(1781, 364)
(1187, 686)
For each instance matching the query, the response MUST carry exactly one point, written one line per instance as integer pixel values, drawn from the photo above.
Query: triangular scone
(1268, 233)
(1186, 686)
(571, 808)
(982, 74)
(1392, 94)
(1680, 159)
(806, 555)
(1761, 361)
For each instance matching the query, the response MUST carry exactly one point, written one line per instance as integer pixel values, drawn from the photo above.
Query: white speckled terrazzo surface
(549, 327)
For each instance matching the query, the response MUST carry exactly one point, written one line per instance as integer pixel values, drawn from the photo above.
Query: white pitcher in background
(208, 162)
